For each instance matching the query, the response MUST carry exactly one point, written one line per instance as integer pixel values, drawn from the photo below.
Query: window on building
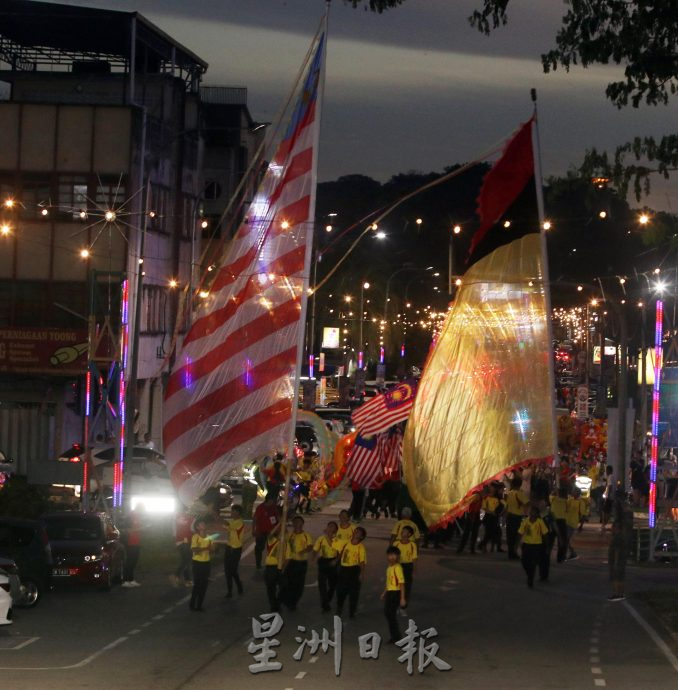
(36, 196)
(212, 190)
(72, 196)
(161, 205)
(110, 193)
(154, 307)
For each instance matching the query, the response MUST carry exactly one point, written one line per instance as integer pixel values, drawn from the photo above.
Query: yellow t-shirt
(558, 507)
(394, 577)
(198, 542)
(584, 506)
(572, 512)
(490, 504)
(345, 533)
(326, 548)
(408, 552)
(516, 501)
(273, 549)
(397, 528)
(298, 542)
(236, 532)
(533, 532)
(353, 554)
(305, 475)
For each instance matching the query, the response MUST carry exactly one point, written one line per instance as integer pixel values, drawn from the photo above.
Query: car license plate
(64, 572)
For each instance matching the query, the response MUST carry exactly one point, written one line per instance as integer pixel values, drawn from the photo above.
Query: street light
(450, 257)
(361, 315)
(643, 219)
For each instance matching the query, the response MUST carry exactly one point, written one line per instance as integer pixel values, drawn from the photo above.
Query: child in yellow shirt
(394, 592)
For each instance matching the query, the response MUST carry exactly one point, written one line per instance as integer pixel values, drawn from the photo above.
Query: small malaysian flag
(392, 451)
(364, 462)
(386, 410)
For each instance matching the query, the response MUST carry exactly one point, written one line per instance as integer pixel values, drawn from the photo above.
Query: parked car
(26, 543)
(5, 600)
(86, 548)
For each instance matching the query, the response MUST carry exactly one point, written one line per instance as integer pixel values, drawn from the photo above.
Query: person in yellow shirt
(394, 593)
(271, 570)
(351, 572)
(201, 550)
(233, 551)
(327, 554)
(493, 507)
(516, 505)
(406, 520)
(408, 558)
(572, 518)
(346, 527)
(300, 544)
(534, 532)
(559, 513)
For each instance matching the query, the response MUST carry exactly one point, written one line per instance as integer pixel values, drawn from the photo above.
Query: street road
(494, 632)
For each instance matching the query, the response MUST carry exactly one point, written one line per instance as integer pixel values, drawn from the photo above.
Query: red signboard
(55, 351)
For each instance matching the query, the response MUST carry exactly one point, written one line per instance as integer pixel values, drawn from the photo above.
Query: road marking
(446, 589)
(670, 656)
(594, 660)
(451, 582)
(599, 682)
(146, 624)
(169, 610)
(19, 646)
(215, 643)
(596, 670)
(313, 584)
(300, 675)
(136, 631)
(593, 650)
(595, 639)
(159, 617)
(313, 659)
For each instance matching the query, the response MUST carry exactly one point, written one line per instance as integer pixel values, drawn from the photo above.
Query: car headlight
(154, 503)
(92, 557)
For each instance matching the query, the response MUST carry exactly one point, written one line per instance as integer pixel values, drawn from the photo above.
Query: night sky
(415, 88)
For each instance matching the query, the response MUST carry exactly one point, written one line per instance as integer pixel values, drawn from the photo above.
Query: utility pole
(622, 393)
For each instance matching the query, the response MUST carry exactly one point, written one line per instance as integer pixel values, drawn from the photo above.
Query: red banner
(55, 351)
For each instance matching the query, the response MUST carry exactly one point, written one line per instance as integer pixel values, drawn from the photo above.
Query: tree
(640, 35)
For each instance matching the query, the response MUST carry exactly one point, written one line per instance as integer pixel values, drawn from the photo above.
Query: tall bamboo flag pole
(304, 294)
(539, 185)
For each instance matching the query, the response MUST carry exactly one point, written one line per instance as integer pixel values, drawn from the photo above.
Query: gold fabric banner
(484, 400)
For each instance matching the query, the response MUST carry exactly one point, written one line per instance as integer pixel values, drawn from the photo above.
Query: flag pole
(304, 293)
(539, 185)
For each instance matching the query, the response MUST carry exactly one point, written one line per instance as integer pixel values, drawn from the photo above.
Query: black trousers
(408, 572)
(492, 533)
(259, 546)
(391, 604)
(348, 585)
(201, 577)
(131, 559)
(295, 579)
(471, 527)
(356, 509)
(272, 579)
(327, 581)
(231, 563)
(512, 526)
(561, 532)
(532, 556)
(183, 570)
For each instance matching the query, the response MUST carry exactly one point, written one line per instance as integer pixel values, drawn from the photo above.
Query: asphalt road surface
(494, 632)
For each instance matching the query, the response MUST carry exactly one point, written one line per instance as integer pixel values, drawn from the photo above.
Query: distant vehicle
(86, 548)
(9, 567)
(5, 599)
(338, 416)
(25, 542)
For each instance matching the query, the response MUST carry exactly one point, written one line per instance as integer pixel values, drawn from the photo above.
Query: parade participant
(132, 540)
(471, 523)
(346, 527)
(326, 550)
(559, 512)
(405, 521)
(516, 503)
(351, 572)
(408, 558)
(233, 551)
(533, 531)
(300, 544)
(266, 518)
(275, 477)
(201, 548)
(183, 531)
(357, 501)
(608, 493)
(572, 518)
(272, 572)
(305, 480)
(394, 593)
(493, 507)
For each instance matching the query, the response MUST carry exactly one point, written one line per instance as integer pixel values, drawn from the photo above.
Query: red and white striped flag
(364, 464)
(230, 395)
(392, 452)
(385, 410)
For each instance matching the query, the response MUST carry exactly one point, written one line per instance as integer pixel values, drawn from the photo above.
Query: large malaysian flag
(229, 398)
